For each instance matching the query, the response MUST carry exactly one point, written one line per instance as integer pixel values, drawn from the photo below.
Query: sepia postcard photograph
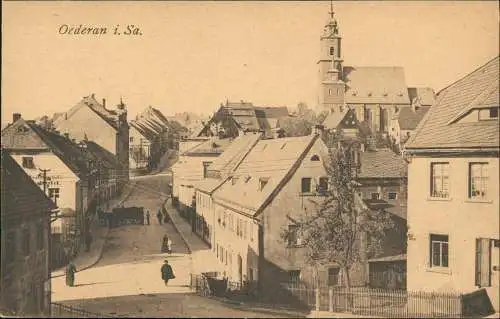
(250, 159)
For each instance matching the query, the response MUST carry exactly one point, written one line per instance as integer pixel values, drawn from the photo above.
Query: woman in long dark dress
(164, 244)
(166, 272)
(70, 275)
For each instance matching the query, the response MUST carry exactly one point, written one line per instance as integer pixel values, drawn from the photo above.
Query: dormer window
(315, 158)
(234, 180)
(488, 114)
(262, 183)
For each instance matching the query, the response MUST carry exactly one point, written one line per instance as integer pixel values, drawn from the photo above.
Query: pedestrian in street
(147, 217)
(164, 244)
(160, 217)
(169, 245)
(166, 272)
(88, 241)
(70, 274)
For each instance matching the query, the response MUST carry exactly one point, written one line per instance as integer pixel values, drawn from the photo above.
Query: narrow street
(127, 280)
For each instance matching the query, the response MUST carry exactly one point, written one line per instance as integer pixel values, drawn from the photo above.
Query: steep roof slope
(20, 195)
(408, 118)
(439, 128)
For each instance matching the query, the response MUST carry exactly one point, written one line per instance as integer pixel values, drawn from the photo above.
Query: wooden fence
(379, 302)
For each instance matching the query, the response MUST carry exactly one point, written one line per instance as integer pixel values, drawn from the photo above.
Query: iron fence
(379, 302)
(65, 311)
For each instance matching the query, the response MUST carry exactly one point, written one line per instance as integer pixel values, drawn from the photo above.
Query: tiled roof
(271, 112)
(425, 96)
(207, 185)
(381, 85)
(234, 153)
(211, 146)
(408, 119)
(65, 149)
(148, 134)
(20, 194)
(382, 163)
(440, 128)
(271, 160)
(102, 155)
(334, 118)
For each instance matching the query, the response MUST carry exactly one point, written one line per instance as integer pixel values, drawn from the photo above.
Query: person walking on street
(70, 274)
(164, 244)
(166, 272)
(169, 245)
(147, 217)
(160, 217)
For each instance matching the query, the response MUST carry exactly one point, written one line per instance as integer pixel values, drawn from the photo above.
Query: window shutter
(483, 262)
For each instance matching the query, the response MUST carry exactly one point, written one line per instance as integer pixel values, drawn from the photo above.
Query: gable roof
(382, 163)
(65, 149)
(234, 153)
(439, 128)
(207, 185)
(408, 118)
(109, 116)
(102, 155)
(380, 85)
(334, 119)
(20, 194)
(273, 161)
(144, 131)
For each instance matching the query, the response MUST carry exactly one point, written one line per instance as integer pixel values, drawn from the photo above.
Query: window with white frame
(440, 180)
(438, 250)
(28, 162)
(306, 185)
(478, 180)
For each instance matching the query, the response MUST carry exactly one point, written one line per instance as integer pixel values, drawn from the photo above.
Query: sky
(192, 56)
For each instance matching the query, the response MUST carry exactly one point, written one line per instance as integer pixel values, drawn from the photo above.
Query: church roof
(375, 85)
(440, 128)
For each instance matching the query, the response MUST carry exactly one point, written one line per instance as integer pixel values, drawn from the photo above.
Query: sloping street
(127, 280)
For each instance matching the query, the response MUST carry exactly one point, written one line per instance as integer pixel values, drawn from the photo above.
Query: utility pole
(44, 171)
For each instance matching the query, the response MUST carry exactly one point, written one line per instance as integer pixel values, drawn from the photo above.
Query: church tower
(330, 73)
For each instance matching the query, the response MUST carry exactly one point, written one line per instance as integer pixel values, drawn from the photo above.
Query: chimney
(66, 135)
(104, 103)
(15, 117)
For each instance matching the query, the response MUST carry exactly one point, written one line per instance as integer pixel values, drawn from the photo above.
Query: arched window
(332, 50)
(315, 158)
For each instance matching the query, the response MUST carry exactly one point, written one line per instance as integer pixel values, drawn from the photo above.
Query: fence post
(317, 298)
(330, 299)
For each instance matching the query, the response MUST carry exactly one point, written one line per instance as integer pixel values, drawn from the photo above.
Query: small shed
(388, 272)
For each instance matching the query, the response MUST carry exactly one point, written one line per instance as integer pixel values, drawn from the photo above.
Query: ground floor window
(294, 276)
(439, 250)
(333, 276)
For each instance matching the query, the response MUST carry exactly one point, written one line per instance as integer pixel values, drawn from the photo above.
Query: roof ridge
(287, 176)
(470, 73)
(247, 152)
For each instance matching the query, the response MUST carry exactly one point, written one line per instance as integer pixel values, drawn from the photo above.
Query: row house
(232, 119)
(74, 176)
(149, 138)
(453, 203)
(192, 166)
(375, 93)
(217, 173)
(90, 120)
(25, 235)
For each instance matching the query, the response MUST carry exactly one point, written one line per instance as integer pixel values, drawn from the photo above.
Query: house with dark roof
(374, 92)
(453, 187)
(91, 120)
(25, 236)
(68, 173)
(232, 119)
